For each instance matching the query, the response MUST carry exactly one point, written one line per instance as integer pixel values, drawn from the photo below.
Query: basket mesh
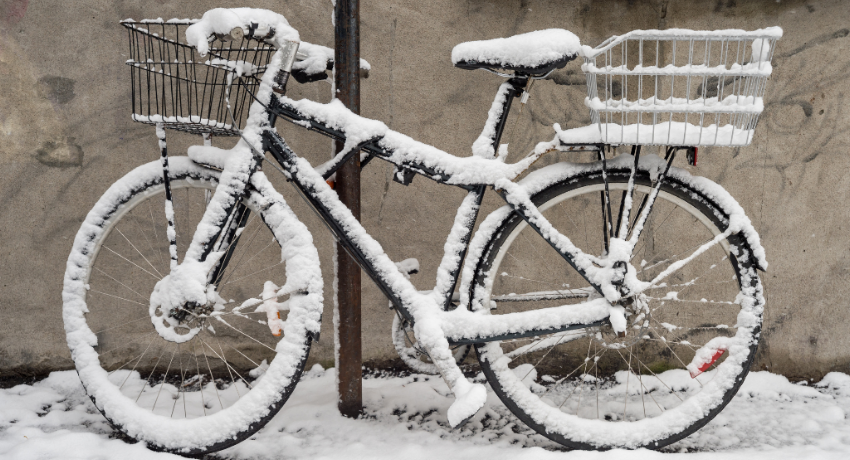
(173, 85)
(679, 87)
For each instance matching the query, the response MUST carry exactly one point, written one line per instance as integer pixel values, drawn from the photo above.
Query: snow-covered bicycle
(614, 303)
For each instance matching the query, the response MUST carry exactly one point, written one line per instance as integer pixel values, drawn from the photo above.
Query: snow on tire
(690, 340)
(218, 397)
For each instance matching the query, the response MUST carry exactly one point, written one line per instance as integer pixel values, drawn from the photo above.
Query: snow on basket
(173, 85)
(679, 87)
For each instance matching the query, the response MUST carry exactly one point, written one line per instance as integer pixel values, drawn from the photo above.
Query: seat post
(477, 194)
(518, 84)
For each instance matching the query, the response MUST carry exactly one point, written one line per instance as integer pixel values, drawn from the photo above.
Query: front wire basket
(172, 85)
(679, 87)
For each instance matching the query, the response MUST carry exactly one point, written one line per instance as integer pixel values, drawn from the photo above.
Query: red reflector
(706, 365)
(332, 184)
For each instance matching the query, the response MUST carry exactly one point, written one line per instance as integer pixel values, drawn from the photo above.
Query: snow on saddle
(533, 53)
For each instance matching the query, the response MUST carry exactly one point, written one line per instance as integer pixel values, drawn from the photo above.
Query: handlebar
(288, 48)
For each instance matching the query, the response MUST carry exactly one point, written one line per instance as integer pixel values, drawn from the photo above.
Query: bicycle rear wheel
(593, 389)
(227, 374)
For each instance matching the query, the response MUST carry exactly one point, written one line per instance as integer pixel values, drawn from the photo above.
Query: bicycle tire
(532, 397)
(111, 221)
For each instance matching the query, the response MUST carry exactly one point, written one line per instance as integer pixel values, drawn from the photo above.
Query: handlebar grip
(236, 34)
(290, 51)
(280, 81)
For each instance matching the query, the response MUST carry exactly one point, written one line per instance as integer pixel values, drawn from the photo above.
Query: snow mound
(405, 418)
(773, 386)
(836, 381)
(223, 20)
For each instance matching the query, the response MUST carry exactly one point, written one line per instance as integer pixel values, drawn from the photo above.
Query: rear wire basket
(679, 87)
(173, 85)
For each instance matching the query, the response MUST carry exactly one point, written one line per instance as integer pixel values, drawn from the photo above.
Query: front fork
(230, 228)
(169, 204)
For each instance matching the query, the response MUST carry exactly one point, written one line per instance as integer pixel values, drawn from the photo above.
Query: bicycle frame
(601, 273)
(465, 219)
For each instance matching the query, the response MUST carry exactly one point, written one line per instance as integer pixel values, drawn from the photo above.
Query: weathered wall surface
(66, 134)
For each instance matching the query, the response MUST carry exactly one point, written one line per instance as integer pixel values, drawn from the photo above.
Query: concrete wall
(65, 134)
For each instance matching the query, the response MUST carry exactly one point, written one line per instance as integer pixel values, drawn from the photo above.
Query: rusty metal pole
(347, 83)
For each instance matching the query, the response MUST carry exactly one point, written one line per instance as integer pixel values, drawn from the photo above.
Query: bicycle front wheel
(594, 388)
(226, 373)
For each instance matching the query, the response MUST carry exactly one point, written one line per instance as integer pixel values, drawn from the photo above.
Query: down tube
(286, 157)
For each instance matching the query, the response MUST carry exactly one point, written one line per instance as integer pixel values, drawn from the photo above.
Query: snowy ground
(769, 419)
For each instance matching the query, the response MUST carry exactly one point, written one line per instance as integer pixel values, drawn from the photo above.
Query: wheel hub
(637, 319)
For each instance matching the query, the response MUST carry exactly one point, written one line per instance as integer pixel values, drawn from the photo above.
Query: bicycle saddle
(532, 53)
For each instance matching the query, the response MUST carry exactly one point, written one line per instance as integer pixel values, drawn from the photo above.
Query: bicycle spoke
(555, 384)
(122, 347)
(233, 241)
(228, 365)
(200, 377)
(180, 388)
(548, 342)
(703, 273)
(659, 379)
(145, 236)
(505, 274)
(243, 355)
(252, 274)
(536, 253)
(534, 367)
(165, 377)
(122, 284)
(596, 374)
(246, 335)
(123, 324)
(581, 392)
(652, 230)
(148, 380)
(209, 368)
(137, 363)
(131, 262)
(543, 295)
(642, 388)
(117, 297)
(681, 263)
(139, 252)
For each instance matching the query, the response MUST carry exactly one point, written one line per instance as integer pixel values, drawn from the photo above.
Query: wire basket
(173, 85)
(679, 87)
